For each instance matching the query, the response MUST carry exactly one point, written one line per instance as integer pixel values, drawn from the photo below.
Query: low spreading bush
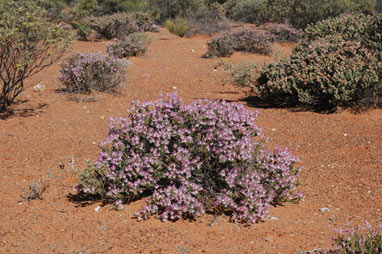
(327, 73)
(88, 72)
(133, 45)
(178, 26)
(120, 25)
(284, 33)
(242, 75)
(360, 240)
(249, 40)
(191, 159)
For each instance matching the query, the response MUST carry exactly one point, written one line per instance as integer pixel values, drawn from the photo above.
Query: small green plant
(83, 31)
(84, 73)
(242, 75)
(35, 190)
(133, 45)
(178, 26)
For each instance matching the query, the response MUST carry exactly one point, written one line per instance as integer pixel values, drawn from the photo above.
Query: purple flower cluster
(206, 156)
(283, 32)
(249, 40)
(360, 240)
(87, 72)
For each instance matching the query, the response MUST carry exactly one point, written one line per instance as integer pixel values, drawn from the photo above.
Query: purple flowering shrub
(360, 240)
(133, 45)
(189, 159)
(249, 40)
(87, 72)
(283, 32)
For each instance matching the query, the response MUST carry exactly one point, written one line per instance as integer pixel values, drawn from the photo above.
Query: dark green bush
(107, 7)
(364, 28)
(170, 9)
(298, 13)
(328, 72)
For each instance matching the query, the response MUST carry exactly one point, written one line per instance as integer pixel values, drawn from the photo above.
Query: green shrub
(298, 13)
(366, 29)
(251, 11)
(220, 46)
(328, 72)
(83, 31)
(107, 7)
(28, 44)
(170, 9)
(84, 73)
(134, 45)
(178, 26)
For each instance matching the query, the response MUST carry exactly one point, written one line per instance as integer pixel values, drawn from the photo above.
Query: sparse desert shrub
(145, 22)
(170, 9)
(248, 40)
(35, 190)
(284, 33)
(327, 73)
(178, 26)
(114, 26)
(360, 240)
(251, 11)
(220, 46)
(191, 159)
(242, 75)
(28, 44)
(133, 45)
(88, 72)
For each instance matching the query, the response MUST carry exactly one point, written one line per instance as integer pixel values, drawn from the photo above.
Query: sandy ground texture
(51, 136)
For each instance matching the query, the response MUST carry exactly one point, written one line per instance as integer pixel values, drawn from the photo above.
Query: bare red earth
(341, 156)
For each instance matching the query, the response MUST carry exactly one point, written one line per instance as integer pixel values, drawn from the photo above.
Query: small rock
(97, 209)
(325, 209)
(345, 134)
(273, 218)
(273, 129)
(269, 239)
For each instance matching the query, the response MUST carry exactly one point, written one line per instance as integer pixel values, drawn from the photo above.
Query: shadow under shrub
(189, 159)
(133, 45)
(84, 73)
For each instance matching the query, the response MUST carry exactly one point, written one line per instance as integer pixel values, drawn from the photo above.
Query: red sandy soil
(341, 156)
